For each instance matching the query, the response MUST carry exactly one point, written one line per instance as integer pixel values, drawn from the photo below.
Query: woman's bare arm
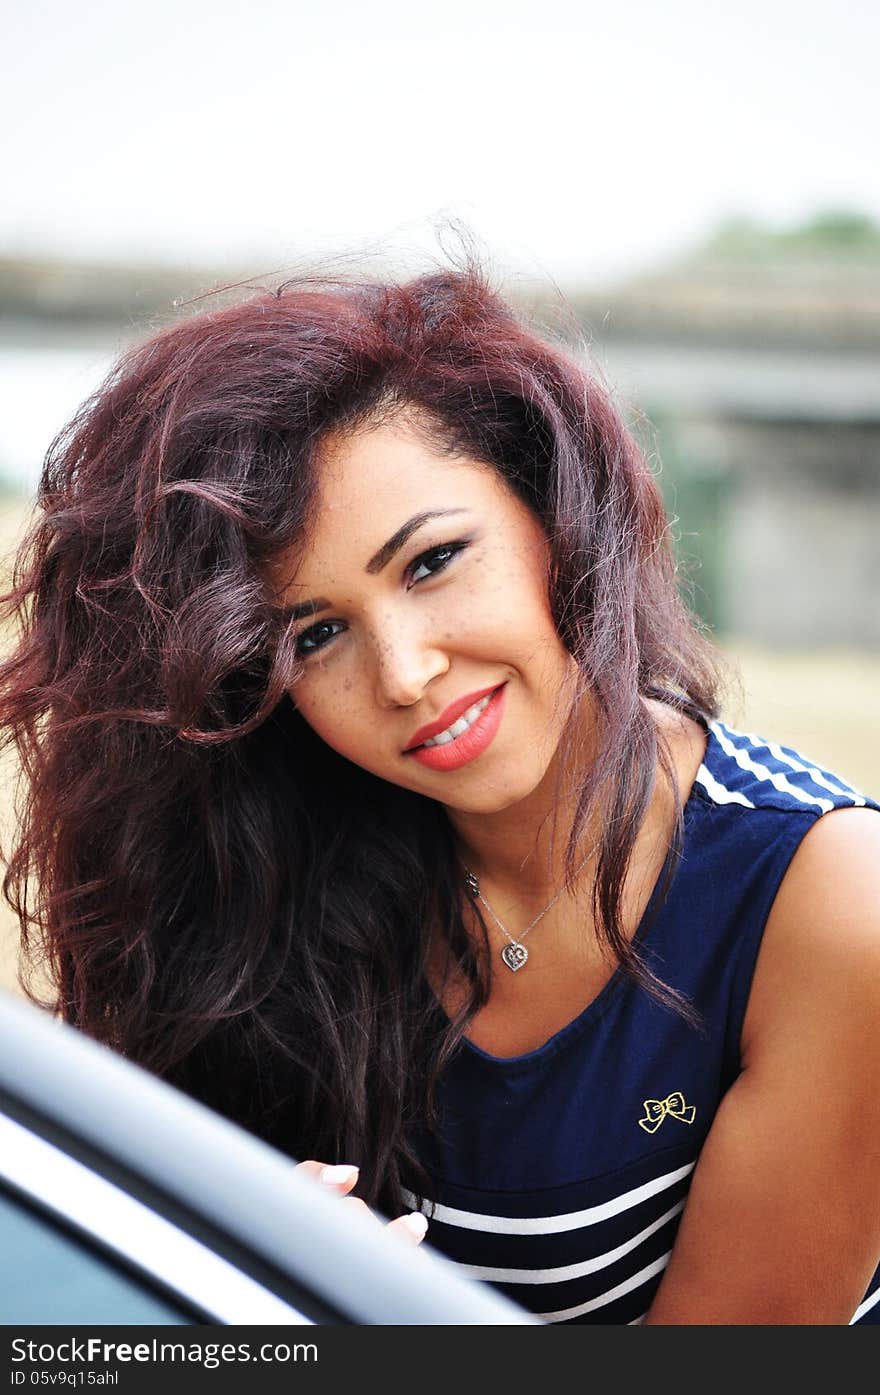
(782, 1224)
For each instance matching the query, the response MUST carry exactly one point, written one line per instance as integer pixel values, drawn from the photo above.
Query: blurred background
(688, 193)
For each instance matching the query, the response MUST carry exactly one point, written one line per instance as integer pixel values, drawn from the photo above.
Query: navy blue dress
(562, 1174)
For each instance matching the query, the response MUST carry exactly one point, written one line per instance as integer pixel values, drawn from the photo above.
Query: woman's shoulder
(818, 970)
(783, 855)
(823, 922)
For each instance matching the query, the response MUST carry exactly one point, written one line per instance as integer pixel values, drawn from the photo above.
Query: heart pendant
(514, 955)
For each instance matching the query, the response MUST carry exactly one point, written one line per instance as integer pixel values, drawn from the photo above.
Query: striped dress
(562, 1174)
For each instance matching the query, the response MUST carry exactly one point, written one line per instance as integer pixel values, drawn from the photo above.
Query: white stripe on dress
(819, 777)
(566, 1272)
(552, 1225)
(621, 1290)
(866, 1306)
(774, 777)
(718, 793)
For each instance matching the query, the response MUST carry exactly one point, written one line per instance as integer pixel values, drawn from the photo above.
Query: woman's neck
(521, 873)
(519, 852)
(521, 849)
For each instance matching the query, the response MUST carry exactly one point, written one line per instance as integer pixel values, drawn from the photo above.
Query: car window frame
(131, 1236)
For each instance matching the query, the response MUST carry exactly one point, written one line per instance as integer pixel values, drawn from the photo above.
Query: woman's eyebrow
(388, 550)
(377, 562)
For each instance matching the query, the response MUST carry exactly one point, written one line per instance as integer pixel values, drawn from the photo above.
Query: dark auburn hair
(212, 890)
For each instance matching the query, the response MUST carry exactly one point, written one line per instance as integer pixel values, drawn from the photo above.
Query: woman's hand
(341, 1179)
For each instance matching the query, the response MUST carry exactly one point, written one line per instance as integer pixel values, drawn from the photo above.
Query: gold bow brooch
(657, 1110)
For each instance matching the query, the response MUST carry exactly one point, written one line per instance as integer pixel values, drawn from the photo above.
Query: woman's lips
(448, 717)
(470, 744)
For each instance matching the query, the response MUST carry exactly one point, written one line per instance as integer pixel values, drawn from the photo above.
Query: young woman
(377, 796)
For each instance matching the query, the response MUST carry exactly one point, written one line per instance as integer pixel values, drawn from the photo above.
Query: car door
(123, 1200)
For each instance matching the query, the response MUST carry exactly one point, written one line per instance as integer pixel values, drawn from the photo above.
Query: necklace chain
(514, 953)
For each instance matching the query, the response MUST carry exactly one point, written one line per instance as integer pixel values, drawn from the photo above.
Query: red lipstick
(449, 715)
(471, 743)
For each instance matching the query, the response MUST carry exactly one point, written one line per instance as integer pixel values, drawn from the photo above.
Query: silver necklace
(514, 953)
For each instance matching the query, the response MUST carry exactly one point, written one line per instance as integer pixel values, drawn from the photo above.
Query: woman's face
(423, 584)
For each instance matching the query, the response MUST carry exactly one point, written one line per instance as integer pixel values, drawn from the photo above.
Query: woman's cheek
(335, 721)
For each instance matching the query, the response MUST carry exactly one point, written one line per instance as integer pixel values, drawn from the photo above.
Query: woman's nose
(406, 661)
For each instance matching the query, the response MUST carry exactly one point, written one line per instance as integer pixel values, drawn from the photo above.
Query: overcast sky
(575, 139)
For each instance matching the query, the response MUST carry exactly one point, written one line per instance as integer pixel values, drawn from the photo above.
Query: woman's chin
(494, 800)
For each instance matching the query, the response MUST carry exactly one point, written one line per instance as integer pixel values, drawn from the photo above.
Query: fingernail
(334, 1176)
(417, 1223)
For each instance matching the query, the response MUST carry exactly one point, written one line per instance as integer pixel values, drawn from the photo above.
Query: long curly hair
(212, 890)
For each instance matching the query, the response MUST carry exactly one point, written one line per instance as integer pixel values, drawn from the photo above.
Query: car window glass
(48, 1276)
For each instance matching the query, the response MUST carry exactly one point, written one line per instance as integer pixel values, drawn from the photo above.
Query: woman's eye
(314, 639)
(435, 560)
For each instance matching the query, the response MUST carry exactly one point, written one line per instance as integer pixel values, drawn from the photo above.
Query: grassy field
(823, 703)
